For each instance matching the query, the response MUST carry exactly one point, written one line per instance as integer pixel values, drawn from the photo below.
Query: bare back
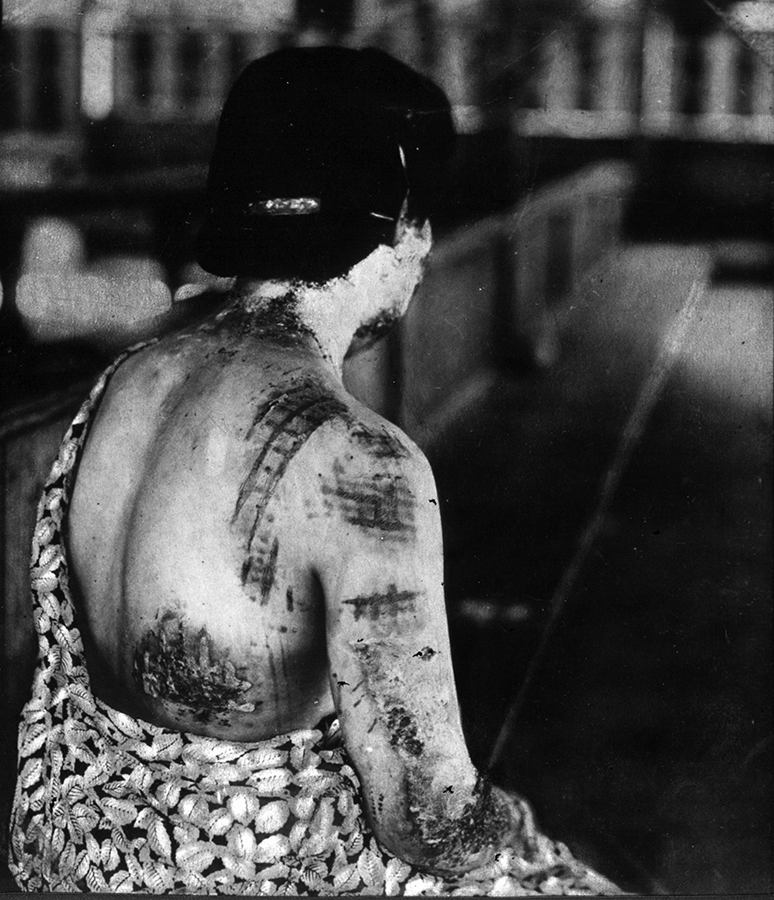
(255, 550)
(192, 533)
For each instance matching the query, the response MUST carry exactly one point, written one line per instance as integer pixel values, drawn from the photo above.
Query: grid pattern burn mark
(381, 505)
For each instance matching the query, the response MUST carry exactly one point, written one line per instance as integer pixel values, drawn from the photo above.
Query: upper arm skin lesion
(372, 484)
(389, 656)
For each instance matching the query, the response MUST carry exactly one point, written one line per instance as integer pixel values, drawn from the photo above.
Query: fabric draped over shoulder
(107, 802)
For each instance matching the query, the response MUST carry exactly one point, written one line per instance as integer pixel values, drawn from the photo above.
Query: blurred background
(588, 366)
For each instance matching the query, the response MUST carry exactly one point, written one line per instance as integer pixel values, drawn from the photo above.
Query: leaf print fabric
(105, 802)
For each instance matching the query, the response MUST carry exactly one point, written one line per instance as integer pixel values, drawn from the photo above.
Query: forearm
(425, 800)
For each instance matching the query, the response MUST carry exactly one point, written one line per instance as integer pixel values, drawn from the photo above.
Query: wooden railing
(620, 80)
(575, 77)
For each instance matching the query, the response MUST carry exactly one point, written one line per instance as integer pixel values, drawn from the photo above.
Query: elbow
(443, 861)
(444, 849)
(445, 838)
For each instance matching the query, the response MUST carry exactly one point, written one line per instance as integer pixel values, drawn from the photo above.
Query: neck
(362, 304)
(324, 316)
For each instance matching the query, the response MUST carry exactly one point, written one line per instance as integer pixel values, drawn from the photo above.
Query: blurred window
(97, 69)
(744, 89)
(191, 58)
(46, 112)
(587, 70)
(141, 60)
(690, 76)
(634, 71)
(533, 69)
(507, 83)
(10, 79)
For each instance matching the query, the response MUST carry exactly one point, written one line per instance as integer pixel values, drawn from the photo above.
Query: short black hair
(355, 132)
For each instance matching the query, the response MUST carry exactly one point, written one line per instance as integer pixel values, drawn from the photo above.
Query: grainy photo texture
(386, 446)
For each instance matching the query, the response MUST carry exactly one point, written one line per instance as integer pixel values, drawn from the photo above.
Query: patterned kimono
(107, 802)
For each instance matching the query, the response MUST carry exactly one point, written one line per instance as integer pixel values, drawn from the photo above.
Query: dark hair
(354, 131)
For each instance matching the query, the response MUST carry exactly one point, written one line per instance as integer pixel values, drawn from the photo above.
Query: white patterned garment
(106, 802)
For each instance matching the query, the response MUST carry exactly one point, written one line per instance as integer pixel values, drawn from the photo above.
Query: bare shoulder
(144, 377)
(362, 442)
(374, 482)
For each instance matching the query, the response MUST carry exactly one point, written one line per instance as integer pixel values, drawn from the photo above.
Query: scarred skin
(255, 550)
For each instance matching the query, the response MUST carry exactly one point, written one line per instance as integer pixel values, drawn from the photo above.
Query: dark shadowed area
(645, 736)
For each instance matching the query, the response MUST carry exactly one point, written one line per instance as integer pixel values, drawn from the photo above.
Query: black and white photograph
(386, 442)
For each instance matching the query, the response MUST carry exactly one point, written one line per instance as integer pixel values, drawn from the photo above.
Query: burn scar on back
(179, 665)
(281, 426)
(260, 567)
(381, 505)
